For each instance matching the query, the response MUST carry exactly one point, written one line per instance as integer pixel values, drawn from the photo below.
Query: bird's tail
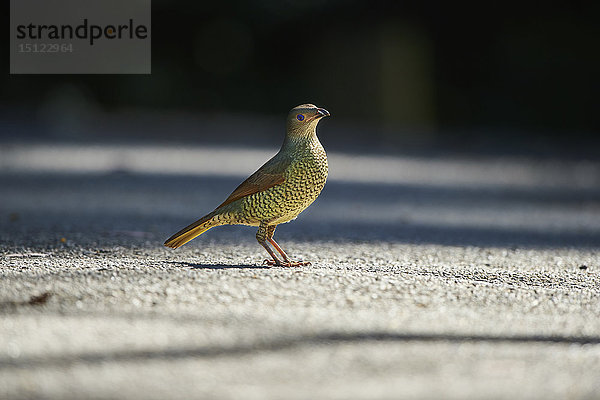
(191, 231)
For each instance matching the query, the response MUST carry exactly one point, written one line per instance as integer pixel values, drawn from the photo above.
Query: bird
(277, 192)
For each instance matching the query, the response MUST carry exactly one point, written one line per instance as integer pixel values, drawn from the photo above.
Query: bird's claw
(295, 263)
(286, 263)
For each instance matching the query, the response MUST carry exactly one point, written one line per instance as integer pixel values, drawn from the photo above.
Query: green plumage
(279, 191)
(304, 167)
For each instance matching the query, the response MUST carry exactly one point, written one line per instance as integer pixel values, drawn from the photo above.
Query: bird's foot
(295, 263)
(290, 263)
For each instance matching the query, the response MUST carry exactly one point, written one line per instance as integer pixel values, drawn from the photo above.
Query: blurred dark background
(495, 77)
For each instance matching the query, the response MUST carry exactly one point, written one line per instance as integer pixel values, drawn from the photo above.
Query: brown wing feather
(267, 176)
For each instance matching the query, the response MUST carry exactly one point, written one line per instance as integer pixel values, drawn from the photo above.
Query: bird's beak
(321, 112)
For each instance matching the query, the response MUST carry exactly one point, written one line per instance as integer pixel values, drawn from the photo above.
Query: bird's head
(303, 119)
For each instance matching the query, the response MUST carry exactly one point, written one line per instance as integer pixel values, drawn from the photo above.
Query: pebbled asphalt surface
(430, 277)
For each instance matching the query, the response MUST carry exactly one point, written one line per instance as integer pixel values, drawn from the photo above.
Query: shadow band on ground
(97, 231)
(282, 345)
(207, 191)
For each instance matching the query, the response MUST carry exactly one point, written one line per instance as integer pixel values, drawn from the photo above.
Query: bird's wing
(267, 176)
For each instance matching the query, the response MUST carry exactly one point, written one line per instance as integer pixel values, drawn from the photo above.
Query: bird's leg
(261, 236)
(270, 232)
(287, 261)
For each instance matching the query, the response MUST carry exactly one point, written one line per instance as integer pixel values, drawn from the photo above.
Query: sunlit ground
(432, 277)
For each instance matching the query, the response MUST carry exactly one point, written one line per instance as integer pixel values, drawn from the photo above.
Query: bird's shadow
(218, 265)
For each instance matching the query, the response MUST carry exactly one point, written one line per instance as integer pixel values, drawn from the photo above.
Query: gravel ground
(430, 277)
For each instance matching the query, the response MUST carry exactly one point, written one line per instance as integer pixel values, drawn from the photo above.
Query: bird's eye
(300, 117)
